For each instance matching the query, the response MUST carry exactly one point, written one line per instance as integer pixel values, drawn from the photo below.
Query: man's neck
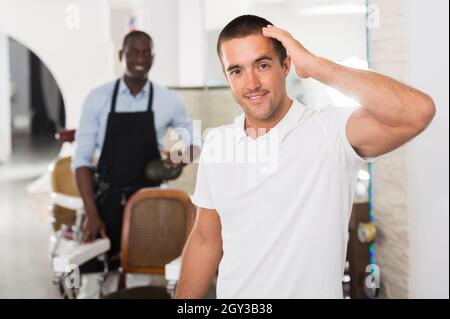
(135, 85)
(256, 128)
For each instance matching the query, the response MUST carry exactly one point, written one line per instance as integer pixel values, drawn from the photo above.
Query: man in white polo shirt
(275, 188)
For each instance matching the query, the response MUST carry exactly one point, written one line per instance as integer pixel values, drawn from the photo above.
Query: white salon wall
(79, 58)
(428, 155)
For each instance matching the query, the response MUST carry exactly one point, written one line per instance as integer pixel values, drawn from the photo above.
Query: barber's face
(256, 77)
(138, 57)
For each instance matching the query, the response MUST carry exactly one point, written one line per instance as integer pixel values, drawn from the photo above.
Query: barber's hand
(302, 59)
(92, 226)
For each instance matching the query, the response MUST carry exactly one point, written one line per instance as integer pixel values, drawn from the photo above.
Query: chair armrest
(80, 254)
(172, 274)
(67, 201)
(172, 269)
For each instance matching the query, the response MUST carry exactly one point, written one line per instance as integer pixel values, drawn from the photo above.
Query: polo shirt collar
(284, 127)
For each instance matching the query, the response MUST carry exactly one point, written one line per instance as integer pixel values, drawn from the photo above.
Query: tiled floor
(25, 271)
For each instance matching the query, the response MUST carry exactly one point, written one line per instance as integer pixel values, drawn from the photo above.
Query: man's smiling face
(257, 78)
(138, 56)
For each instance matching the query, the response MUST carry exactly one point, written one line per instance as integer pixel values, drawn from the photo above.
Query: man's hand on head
(302, 58)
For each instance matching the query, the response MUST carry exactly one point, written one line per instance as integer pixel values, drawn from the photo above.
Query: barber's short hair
(136, 33)
(246, 25)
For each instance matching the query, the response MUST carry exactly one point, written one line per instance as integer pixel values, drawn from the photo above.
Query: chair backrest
(156, 224)
(63, 181)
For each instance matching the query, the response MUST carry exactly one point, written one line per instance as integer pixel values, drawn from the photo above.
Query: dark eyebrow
(232, 67)
(264, 57)
(237, 66)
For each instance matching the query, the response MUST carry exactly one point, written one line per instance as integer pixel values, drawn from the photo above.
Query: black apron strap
(114, 96)
(150, 97)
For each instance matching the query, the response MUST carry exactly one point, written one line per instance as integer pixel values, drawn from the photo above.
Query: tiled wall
(389, 55)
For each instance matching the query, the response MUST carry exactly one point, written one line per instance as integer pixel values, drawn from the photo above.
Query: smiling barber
(126, 120)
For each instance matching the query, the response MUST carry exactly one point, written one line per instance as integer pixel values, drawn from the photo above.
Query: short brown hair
(246, 25)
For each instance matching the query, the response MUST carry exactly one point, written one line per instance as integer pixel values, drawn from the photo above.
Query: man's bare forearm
(84, 179)
(389, 101)
(199, 265)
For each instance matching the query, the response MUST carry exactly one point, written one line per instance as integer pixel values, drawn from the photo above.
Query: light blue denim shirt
(168, 111)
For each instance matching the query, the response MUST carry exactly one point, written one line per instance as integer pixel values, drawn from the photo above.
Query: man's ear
(287, 65)
(120, 55)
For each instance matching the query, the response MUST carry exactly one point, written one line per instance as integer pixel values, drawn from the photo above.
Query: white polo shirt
(284, 201)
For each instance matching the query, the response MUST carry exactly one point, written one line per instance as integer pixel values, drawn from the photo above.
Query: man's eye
(263, 66)
(235, 72)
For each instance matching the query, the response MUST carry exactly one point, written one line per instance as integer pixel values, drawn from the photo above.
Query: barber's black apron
(130, 143)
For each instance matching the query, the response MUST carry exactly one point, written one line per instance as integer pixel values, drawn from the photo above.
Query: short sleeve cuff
(353, 154)
(202, 202)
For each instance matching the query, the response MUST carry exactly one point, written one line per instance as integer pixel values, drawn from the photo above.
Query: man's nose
(253, 82)
(140, 58)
